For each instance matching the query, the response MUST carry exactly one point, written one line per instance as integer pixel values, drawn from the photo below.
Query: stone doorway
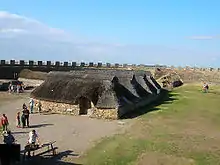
(84, 105)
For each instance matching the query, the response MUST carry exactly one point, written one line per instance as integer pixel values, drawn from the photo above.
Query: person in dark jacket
(23, 120)
(24, 106)
(26, 116)
(9, 138)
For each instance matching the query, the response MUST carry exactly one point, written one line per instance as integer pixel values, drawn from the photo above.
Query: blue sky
(171, 32)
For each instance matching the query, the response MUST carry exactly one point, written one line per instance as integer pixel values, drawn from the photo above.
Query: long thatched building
(109, 94)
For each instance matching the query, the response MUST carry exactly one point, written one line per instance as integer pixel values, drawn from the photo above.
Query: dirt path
(74, 134)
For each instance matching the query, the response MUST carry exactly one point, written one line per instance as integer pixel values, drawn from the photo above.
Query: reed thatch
(150, 85)
(68, 90)
(100, 74)
(155, 82)
(105, 88)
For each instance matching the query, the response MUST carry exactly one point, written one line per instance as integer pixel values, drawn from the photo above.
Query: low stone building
(108, 94)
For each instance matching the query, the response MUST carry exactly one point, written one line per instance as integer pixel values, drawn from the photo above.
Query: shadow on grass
(49, 160)
(213, 92)
(165, 98)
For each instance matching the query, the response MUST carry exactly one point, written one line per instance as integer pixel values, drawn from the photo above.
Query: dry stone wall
(105, 114)
(62, 108)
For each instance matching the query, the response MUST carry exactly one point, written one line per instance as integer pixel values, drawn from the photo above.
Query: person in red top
(4, 122)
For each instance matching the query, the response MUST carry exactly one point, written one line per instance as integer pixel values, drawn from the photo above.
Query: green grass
(182, 131)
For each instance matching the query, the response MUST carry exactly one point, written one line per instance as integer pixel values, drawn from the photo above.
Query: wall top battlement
(69, 64)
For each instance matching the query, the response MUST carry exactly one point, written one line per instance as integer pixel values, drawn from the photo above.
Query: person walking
(31, 102)
(5, 123)
(18, 120)
(26, 116)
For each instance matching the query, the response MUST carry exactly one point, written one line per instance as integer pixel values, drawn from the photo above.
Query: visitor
(33, 142)
(205, 87)
(26, 117)
(18, 119)
(18, 88)
(22, 87)
(33, 138)
(24, 106)
(9, 88)
(9, 138)
(39, 105)
(23, 120)
(5, 123)
(31, 102)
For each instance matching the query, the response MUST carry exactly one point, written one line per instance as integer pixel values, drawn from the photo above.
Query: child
(4, 123)
(18, 120)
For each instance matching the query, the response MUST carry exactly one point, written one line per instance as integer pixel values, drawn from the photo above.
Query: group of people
(32, 142)
(21, 121)
(24, 118)
(15, 88)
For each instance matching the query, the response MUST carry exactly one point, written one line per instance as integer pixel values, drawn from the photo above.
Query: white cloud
(16, 23)
(12, 31)
(4, 14)
(204, 37)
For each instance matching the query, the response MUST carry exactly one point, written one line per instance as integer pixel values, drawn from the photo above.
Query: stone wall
(62, 108)
(104, 113)
(114, 114)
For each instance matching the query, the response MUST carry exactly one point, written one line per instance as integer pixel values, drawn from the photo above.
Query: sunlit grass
(185, 128)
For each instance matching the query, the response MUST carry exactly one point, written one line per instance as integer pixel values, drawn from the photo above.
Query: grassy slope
(182, 131)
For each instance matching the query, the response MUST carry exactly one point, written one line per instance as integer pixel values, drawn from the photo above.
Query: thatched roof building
(106, 89)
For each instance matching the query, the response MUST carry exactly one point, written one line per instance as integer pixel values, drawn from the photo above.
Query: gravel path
(73, 134)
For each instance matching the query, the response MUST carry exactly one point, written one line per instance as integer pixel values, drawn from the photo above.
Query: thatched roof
(155, 82)
(107, 99)
(140, 86)
(103, 88)
(99, 74)
(150, 84)
(141, 81)
(68, 90)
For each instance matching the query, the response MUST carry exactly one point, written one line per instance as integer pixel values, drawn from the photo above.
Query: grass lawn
(183, 131)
